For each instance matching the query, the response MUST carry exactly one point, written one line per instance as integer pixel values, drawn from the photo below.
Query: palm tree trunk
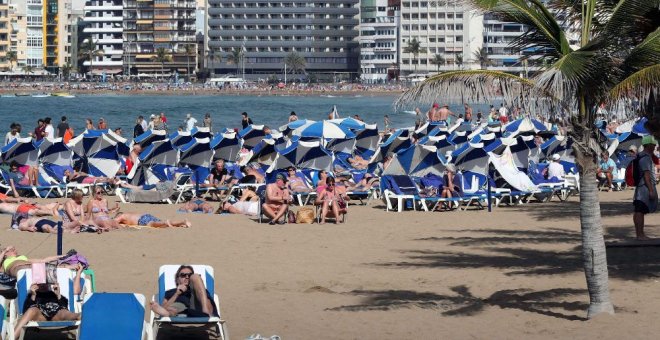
(594, 256)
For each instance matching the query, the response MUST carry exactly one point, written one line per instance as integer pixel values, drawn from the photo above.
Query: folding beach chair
(400, 188)
(261, 192)
(43, 190)
(166, 281)
(65, 278)
(111, 316)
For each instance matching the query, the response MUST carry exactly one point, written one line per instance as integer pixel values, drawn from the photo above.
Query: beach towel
(507, 168)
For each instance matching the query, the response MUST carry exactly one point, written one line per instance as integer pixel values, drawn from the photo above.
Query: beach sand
(510, 274)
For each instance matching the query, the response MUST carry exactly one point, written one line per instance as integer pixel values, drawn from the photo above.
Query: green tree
(295, 63)
(459, 60)
(12, 57)
(189, 50)
(235, 58)
(415, 48)
(28, 70)
(66, 70)
(89, 51)
(481, 56)
(617, 58)
(162, 56)
(438, 60)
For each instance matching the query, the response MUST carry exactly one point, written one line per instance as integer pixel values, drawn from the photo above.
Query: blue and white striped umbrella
(149, 137)
(99, 152)
(304, 155)
(201, 132)
(288, 128)
(252, 135)
(323, 129)
(561, 145)
(440, 142)
(197, 153)
(523, 126)
(458, 137)
(180, 138)
(346, 145)
(471, 157)
(417, 160)
(160, 152)
(142, 174)
(398, 140)
(227, 146)
(427, 128)
(487, 139)
(367, 140)
(349, 123)
(55, 151)
(522, 149)
(21, 150)
(264, 152)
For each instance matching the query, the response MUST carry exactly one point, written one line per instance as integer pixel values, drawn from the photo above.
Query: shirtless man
(431, 114)
(42, 225)
(468, 113)
(11, 205)
(278, 199)
(443, 113)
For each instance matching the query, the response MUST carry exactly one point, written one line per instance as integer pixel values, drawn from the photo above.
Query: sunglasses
(99, 192)
(185, 275)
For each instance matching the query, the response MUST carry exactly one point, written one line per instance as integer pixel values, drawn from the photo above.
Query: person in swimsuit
(16, 177)
(295, 183)
(41, 225)
(278, 199)
(83, 178)
(248, 204)
(190, 297)
(148, 220)
(329, 200)
(197, 204)
(320, 185)
(74, 212)
(44, 304)
(97, 211)
(12, 262)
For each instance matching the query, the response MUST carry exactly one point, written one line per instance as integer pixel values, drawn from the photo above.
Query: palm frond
(478, 86)
(630, 21)
(639, 85)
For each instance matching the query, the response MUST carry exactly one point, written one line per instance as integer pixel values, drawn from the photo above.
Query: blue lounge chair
(400, 188)
(126, 321)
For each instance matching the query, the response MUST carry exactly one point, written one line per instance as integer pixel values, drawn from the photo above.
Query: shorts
(25, 208)
(146, 218)
(504, 119)
(641, 207)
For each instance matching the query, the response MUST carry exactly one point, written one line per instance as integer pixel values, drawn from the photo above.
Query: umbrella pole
(488, 196)
(59, 238)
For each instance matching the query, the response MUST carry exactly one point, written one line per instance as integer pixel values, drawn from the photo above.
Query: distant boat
(40, 95)
(410, 112)
(22, 94)
(8, 96)
(63, 95)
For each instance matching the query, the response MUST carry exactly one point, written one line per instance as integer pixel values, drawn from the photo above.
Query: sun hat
(555, 157)
(649, 140)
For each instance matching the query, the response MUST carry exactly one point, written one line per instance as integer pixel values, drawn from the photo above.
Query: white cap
(555, 157)
(188, 115)
(152, 116)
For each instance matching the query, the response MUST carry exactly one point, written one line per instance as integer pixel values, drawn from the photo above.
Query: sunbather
(357, 162)
(197, 205)
(31, 209)
(450, 188)
(278, 199)
(12, 262)
(219, 178)
(98, 211)
(148, 220)
(74, 212)
(6, 199)
(332, 201)
(189, 298)
(295, 183)
(45, 303)
(83, 178)
(248, 204)
(42, 225)
(16, 177)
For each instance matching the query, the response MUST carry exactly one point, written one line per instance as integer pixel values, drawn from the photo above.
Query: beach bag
(291, 217)
(305, 215)
(74, 258)
(7, 282)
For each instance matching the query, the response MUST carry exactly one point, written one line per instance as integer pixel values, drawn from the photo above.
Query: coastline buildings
(263, 33)
(5, 30)
(379, 42)
(104, 18)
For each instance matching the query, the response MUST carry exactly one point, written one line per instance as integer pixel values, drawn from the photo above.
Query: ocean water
(122, 111)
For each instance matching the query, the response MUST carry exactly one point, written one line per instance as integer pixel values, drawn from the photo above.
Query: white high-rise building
(379, 43)
(443, 29)
(105, 27)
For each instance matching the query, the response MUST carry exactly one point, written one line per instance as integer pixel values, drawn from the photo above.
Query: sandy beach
(509, 274)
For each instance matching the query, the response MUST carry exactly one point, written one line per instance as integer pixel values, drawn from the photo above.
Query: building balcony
(107, 41)
(103, 8)
(103, 30)
(277, 21)
(104, 19)
(287, 33)
(285, 10)
(98, 63)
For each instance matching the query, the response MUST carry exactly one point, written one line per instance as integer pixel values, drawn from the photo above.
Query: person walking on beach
(645, 199)
(504, 114)
(39, 130)
(102, 124)
(245, 120)
(431, 113)
(190, 122)
(49, 130)
(207, 121)
(62, 127)
(293, 117)
(138, 129)
(14, 132)
(143, 123)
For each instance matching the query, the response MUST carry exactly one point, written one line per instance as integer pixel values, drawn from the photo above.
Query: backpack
(633, 175)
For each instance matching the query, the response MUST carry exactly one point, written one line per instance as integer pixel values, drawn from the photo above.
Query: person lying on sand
(42, 225)
(197, 205)
(148, 220)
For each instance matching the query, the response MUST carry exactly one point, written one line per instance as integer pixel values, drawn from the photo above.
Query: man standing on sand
(468, 113)
(190, 122)
(62, 127)
(431, 113)
(143, 123)
(443, 114)
(504, 113)
(49, 130)
(245, 120)
(645, 199)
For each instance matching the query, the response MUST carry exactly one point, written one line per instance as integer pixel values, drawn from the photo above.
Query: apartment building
(444, 29)
(154, 24)
(5, 32)
(379, 42)
(324, 32)
(104, 19)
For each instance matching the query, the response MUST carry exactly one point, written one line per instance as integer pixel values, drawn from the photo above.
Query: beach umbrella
(524, 126)
(304, 155)
(367, 140)
(55, 151)
(142, 174)
(464, 126)
(323, 129)
(441, 143)
(427, 128)
(628, 139)
(343, 145)
(201, 132)
(180, 138)
(197, 153)
(561, 145)
(520, 148)
(349, 123)
(471, 157)
(226, 146)
(288, 128)
(99, 152)
(252, 135)
(160, 152)
(458, 137)
(392, 145)
(21, 150)
(486, 139)
(264, 152)
(417, 160)
(149, 137)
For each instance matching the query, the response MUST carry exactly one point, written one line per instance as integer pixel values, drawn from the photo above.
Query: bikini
(97, 210)
(12, 259)
(41, 223)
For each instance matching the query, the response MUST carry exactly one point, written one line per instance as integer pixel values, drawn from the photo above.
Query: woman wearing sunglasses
(190, 296)
(98, 211)
(331, 200)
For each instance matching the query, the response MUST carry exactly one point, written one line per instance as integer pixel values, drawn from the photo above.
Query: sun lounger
(160, 194)
(4, 306)
(43, 190)
(110, 316)
(166, 282)
(400, 188)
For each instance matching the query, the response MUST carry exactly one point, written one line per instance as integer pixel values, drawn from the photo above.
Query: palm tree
(617, 58)
(189, 50)
(459, 60)
(438, 60)
(235, 58)
(12, 57)
(295, 63)
(414, 47)
(66, 70)
(89, 51)
(162, 57)
(28, 70)
(481, 56)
